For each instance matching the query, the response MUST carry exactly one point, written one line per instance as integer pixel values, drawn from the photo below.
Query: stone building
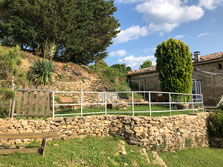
(207, 77)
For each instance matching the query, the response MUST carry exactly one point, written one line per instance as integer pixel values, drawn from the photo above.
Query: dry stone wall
(168, 133)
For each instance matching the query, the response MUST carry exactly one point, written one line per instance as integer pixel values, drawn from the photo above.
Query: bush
(10, 60)
(174, 64)
(41, 72)
(215, 125)
(5, 94)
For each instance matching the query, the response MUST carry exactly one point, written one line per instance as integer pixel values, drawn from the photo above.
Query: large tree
(174, 64)
(74, 30)
(146, 64)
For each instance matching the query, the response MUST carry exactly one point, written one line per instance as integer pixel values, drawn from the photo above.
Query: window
(220, 66)
(196, 90)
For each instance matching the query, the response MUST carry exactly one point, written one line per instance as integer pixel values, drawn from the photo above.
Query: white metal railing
(172, 100)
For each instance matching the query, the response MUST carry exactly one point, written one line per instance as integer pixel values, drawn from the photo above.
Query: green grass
(197, 157)
(129, 108)
(102, 152)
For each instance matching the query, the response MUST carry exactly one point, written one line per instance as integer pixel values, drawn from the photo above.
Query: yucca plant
(40, 73)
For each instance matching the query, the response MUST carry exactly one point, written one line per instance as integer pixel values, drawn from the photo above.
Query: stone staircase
(94, 85)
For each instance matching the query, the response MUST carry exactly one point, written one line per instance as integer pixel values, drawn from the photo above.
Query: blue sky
(147, 23)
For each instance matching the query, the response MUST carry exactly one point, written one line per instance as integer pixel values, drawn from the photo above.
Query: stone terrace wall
(166, 133)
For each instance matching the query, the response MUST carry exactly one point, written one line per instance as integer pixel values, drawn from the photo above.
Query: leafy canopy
(146, 64)
(174, 64)
(77, 30)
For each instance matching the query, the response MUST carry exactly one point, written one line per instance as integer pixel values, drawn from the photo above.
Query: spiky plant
(40, 73)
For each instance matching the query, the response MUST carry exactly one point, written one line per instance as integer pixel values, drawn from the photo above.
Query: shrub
(174, 64)
(5, 94)
(41, 72)
(215, 125)
(10, 60)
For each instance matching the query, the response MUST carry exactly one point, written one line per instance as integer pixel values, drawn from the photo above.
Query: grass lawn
(103, 152)
(200, 157)
(128, 111)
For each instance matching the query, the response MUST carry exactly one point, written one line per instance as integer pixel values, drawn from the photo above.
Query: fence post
(81, 101)
(105, 103)
(193, 103)
(150, 111)
(53, 104)
(133, 104)
(12, 101)
(170, 102)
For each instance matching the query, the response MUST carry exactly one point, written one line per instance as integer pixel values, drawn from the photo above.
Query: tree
(78, 31)
(174, 64)
(146, 64)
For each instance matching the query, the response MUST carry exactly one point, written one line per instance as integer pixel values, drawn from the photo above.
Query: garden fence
(124, 102)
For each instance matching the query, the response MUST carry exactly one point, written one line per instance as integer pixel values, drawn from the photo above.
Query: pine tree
(78, 31)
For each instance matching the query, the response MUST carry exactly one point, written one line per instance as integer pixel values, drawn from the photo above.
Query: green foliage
(128, 69)
(10, 60)
(215, 125)
(99, 65)
(174, 63)
(114, 78)
(146, 64)
(41, 72)
(6, 94)
(77, 31)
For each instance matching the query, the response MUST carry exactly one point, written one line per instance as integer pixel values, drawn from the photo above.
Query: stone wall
(166, 133)
(211, 85)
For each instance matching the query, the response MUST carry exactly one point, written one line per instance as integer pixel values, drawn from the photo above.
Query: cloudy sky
(146, 23)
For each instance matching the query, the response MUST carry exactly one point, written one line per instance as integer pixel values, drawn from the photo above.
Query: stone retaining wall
(166, 133)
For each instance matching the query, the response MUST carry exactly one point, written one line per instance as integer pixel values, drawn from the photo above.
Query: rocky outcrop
(166, 133)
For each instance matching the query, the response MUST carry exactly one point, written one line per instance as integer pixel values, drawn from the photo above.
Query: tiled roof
(143, 70)
(210, 57)
(213, 56)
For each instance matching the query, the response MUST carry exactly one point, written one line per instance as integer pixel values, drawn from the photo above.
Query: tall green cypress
(174, 64)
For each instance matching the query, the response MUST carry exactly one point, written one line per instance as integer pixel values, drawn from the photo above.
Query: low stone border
(167, 133)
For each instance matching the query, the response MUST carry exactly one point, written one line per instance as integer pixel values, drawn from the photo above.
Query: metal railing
(132, 100)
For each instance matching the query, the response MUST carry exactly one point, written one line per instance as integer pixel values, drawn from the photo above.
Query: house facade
(207, 77)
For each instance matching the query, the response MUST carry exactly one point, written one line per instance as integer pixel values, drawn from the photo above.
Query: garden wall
(166, 133)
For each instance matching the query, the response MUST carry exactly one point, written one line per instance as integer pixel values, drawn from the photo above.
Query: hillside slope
(66, 76)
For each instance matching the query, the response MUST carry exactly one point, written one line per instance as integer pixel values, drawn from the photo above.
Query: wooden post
(43, 146)
(12, 101)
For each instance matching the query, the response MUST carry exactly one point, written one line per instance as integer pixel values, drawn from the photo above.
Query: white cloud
(118, 53)
(179, 36)
(202, 35)
(135, 62)
(162, 16)
(133, 32)
(210, 4)
(164, 27)
(169, 11)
